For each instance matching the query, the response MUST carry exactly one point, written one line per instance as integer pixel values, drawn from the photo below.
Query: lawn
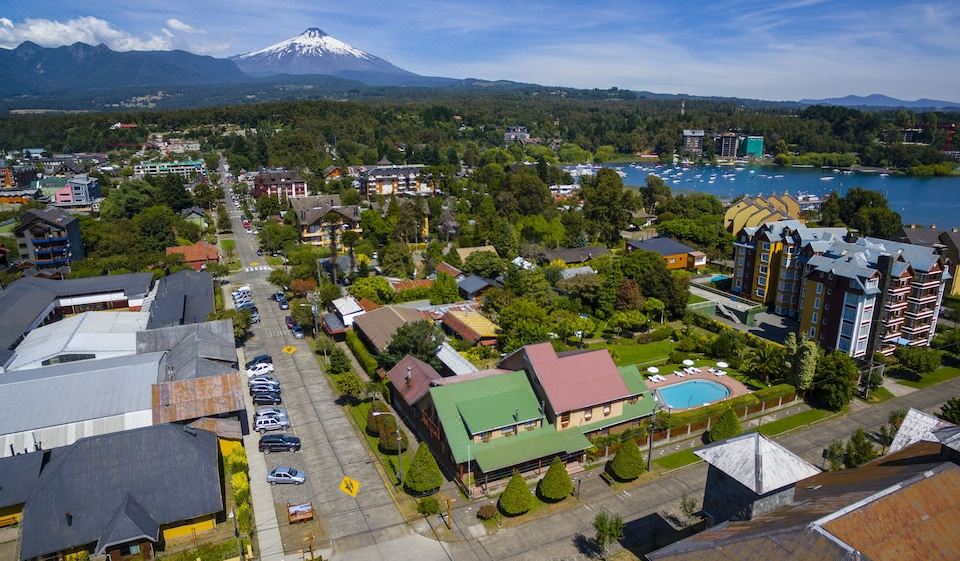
(388, 461)
(794, 421)
(879, 395)
(941, 374)
(274, 261)
(675, 460)
(228, 244)
(639, 354)
(694, 299)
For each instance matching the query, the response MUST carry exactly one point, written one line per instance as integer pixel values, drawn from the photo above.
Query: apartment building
(184, 168)
(768, 262)
(729, 142)
(78, 190)
(755, 211)
(390, 179)
(279, 183)
(49, 238)
(864, 295)
(693, 141)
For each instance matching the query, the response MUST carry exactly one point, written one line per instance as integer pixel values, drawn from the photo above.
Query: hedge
(774, 392)
(373, 421)
(710, 411)
(411, 294)
(364, 357)
(388, 436)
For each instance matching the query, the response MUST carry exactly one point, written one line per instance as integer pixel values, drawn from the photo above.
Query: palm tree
(765, 361)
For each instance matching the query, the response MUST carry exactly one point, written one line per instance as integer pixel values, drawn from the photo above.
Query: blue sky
(787, 50)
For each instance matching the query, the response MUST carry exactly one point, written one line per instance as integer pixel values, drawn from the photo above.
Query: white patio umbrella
(687, 362)
(653, 370)
(722, 364)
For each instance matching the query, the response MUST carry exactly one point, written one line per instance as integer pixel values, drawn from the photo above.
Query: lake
(919, 200)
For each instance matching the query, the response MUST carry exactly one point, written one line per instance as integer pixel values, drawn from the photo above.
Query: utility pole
(236, 532)
(400, 456)
(309, 540)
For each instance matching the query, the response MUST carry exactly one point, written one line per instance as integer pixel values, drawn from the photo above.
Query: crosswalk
(258, 268)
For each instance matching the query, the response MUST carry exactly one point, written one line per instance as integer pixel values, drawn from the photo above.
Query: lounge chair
(721, 373)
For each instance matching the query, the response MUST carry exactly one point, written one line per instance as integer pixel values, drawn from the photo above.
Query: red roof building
(449, 269)
(196, 255)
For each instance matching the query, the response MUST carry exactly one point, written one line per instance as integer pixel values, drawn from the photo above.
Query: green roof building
(753, 146)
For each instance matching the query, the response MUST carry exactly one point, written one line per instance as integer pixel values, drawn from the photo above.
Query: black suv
(259, 359)
(267, 398)
(279, 443)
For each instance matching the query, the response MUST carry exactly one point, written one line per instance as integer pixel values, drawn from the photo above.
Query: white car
(259, 369)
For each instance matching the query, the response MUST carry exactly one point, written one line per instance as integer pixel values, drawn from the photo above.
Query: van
(263, 424)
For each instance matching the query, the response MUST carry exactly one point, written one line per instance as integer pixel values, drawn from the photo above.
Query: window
(765, 258)
(530, 425)
(763, 269)
(816, 303)
(815, 317)
(673, 260)
(588, 414)
(760, 292)
(813, 332)
(766, 246)
(564, 419)
(819, 288)
(507, 431)
(606, 409)
(739, 283)
(485, 436)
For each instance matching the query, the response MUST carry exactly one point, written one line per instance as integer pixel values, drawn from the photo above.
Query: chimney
(409, 375)
(852, 236)
(933, 226)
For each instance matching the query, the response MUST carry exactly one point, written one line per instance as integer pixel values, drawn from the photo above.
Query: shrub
(728, 425)
(424, 474)
(516, 498)
(241, 487)
(627, 465)
(338, 362)
(676, 357)
(858, 450)
(429, 506)
(244, 514)
(487, 511)
(919, 360)
(388, 436)
(324, 345)
(373, 421)
(774, 392)
(364, 357)
(658, 334)
(555, 485)
(237, 460)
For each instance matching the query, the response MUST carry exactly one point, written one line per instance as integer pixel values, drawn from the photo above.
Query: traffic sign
(350, 486)
(289, 349)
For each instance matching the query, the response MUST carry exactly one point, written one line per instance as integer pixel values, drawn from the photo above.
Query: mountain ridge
(881, 100)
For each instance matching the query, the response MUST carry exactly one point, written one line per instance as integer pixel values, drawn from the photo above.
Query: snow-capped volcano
(313, 52)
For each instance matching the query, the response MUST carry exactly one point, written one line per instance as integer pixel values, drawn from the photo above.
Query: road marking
(252, 268)
(289, 349)
(350, 486)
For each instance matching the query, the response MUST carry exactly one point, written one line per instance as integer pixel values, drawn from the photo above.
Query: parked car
(259, 359)
(286, 475)
(267, 398)
(241, 290)
(262, 388)
(284, 305)
(278, 296)
(248, 306)
(265, 424)
(260, 252)
(278, 412)
(254, 317)
(279, 443)
(258, 369)
(243, 298)
(263, 379)
(297, 332)
(290, 322)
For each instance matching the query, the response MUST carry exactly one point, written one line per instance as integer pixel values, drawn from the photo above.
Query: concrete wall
(725, 498)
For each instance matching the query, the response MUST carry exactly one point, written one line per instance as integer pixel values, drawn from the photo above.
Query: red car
(290, 322)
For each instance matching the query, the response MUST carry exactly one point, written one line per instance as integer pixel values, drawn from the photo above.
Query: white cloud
(91, 30)
(177, 25)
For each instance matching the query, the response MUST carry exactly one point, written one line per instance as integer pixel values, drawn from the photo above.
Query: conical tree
(726, 426)
(424, 475)
(628, 463)
(517, 498)
(556, 485)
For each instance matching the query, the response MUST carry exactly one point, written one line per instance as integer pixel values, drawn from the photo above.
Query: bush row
(364, 357)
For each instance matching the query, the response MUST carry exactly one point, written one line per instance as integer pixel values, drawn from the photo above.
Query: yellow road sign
(350, 486)
(254, 263)
(289, 349)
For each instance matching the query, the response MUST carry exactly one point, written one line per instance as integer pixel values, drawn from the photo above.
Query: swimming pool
(719, 278)
(692, 393)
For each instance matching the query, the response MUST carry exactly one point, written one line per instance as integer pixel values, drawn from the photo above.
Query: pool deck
(734, 386)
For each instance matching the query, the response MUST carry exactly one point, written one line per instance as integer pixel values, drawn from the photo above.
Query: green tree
(279, 278)
(609, 530)
(485, 264)
(950, 411)
(278, 237)
(223, 219)
(858, 450)
(444, 289)
(834, 455)
(918, 360)
(523, 322)
(155, 228)
(397, 260)
(338, 362)
(239, 318)
(419, 338)
(803, 364)
(627, 464)
(349, 385)
(765, 362)
(607, 205)
(392, 440)
(376, 289)
(516, 498)
(302, 313)
(835, 382)
(727, 426)
(424, 474)
(556, 484)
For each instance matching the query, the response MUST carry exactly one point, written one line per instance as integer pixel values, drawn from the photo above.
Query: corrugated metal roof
(101, 334)
(209, 396)
(379, 326)
(18, 475)
(453, 360)
(470, 325)
(917, 426)
(77, 391)
(184, 297)
(195, 350)
(761, 465)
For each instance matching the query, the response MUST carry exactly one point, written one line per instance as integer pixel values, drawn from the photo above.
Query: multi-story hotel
(279, 183)
(871, 295)
(185, 168)
(49, 238)
(389, 179)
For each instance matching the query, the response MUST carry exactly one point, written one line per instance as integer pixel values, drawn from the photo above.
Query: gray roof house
(184, 297)
(749, 475)
(917, 426)
(159, 477)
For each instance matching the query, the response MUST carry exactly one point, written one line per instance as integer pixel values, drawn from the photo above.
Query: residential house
(49, 238)
(196, 255)
(449, 269)
(573, 255)
(749, 475)
(410, 380)
(515, 134)
(453, 363)
(196, 215)
(866, 295)
(347, 309)
(473, 286)
(279, 183)
(165, 484)
(80, 190)
(917, 426)
(675, 254)
(571, 272)
(377, 328)
(332, 172)
(14, 176)
(899, 507)
(183, 168)
(946, 242)
(751, 212)
(464, 252)
(471, 326)
(319, 216)
(693, 141)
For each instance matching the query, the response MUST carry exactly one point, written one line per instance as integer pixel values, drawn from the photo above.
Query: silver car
(286, 475)
(278, 413)
(263, 379)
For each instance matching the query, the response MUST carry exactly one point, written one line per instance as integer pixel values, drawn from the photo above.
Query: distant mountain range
(310, 65)
(880, 100)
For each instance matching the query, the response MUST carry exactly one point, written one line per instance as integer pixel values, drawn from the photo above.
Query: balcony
(914, 328)
(54, 239)
(923, 297)
(928, 282)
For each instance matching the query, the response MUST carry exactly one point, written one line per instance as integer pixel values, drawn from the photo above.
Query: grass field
(793, 421)
(633, 353)
(694, 299)
(941, 374)
(388, 461)
(879, 395)
(675, 460)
